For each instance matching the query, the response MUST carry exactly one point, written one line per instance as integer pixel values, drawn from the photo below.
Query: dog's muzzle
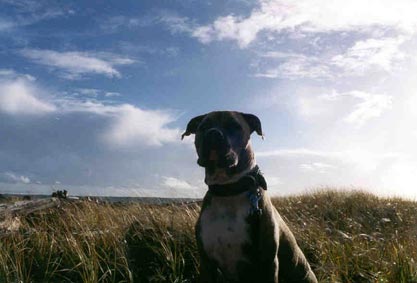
(215, 150)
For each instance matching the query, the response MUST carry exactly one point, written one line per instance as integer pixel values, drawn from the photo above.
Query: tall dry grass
(347, 237)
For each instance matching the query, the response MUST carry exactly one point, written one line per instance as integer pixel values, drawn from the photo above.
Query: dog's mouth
(215, 159)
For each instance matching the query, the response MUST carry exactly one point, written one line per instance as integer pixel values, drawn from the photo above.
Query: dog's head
(222, 138)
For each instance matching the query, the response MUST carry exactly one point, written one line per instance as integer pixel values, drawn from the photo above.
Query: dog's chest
(225, 231)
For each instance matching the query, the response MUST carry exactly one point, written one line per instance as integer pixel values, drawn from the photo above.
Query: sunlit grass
(347, 237)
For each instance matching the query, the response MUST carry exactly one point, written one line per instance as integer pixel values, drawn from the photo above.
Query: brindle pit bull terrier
(240, 235)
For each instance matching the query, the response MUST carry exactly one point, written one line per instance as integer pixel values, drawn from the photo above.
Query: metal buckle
(254, 198)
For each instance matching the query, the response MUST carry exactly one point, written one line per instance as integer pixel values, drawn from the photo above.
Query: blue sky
(95, 94)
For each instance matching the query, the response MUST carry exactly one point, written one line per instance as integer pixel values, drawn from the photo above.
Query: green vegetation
(347, 237)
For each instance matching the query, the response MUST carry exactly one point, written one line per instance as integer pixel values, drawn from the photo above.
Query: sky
(94, 95)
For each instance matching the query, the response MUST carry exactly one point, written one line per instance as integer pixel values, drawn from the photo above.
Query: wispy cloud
(132, 125)
(111, 94)
(20, 96)
(115, 23)
(312, 159)
(8, 74)
(175, 23)
(92, 92)
(128, 125)
(177, 184)
(370, 54)
(244, 31)
(74, 64)
(369, 106)
(305, 152)
(363, 57)
(318, 167)
(95, 93)
(6, 25)
(27, 12)
(298, 152)
(13, 178)
(294, 66)
(309, 17)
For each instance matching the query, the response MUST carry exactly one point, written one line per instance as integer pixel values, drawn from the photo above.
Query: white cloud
(295, 66)
(74, 64)
(28, 12)
(11, 177)
(371, 106)
(364, 161)
(175, 23)
(352, 107)
(129, 126)
(113, 24)
(6, 25)
(310, 16)
(20, 96)
(362, 57)
(370, 53)
(24, 179)
(203, 33)
(229, 27)
(312, 153)
(7, 73)
(111, 94)
(298, 152)
(132, 126)
(93, 92)
(12, 74)
(365, 128)
(177, 184)
(316, 167)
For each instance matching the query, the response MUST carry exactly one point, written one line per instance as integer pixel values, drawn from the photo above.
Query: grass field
(347, 237)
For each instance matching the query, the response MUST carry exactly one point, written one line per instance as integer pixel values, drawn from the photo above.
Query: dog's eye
(233, 126)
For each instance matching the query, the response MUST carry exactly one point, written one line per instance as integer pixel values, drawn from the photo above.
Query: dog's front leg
(292, 262)
(268, 246)
(208, 271)
(269, 271)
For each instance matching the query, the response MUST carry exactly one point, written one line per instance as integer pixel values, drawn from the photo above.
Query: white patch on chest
(224, 230)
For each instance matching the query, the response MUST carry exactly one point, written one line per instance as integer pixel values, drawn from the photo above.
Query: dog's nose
(214, 137)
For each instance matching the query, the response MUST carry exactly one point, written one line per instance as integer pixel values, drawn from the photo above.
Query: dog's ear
(193, 125)
(254, 124)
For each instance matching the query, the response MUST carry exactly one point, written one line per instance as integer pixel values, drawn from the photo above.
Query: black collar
(252, 180)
